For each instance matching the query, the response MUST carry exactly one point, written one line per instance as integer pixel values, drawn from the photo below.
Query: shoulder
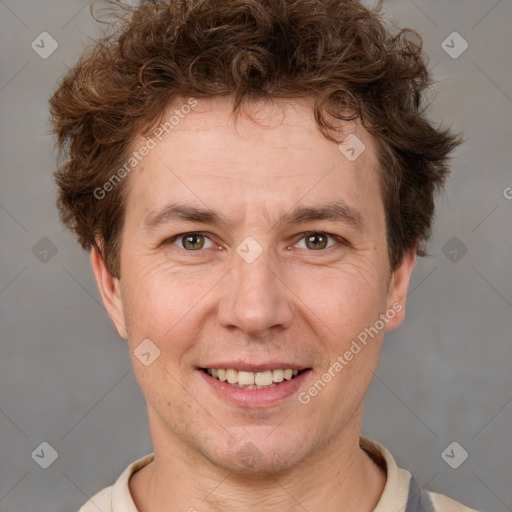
(117, 497)
(402, 491)
(442, 503)
(100, 501)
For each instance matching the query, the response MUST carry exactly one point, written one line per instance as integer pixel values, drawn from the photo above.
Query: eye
(192, 242)
(195, 241)
(317, 240)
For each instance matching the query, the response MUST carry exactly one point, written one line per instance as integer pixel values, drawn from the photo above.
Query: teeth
(278, 375)
(263, 378)
(252, 380)
(246, 378)
(232, 376)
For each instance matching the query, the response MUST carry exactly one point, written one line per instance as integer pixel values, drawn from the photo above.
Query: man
(254, 180)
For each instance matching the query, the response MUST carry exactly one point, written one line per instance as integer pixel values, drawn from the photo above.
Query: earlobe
(399, 286)
(109, 288)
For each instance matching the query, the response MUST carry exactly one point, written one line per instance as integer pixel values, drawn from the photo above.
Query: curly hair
(337, 52)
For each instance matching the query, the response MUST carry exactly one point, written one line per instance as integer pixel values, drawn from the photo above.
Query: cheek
(345, 327)
(342, 298)
(342, 308)
(162, 306)
(156, 296)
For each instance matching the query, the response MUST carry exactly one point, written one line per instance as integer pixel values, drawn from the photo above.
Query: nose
(255, 297)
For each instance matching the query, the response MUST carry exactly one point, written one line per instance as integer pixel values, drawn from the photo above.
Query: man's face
(260, 291)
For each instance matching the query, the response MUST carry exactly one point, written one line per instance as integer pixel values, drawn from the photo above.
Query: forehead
(275, 156)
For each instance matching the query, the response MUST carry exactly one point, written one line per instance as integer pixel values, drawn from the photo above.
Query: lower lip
(255, 397)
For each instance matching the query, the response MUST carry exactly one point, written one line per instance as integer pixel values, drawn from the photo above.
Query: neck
(339, 477)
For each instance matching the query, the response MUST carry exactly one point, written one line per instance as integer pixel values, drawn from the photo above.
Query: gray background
(444, 375)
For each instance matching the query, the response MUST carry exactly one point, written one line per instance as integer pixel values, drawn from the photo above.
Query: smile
(252, 380)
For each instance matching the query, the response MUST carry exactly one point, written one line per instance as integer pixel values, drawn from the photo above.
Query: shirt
(401, 492)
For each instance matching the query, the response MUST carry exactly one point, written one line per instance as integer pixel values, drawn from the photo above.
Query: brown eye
(317, 241)
(191, 241)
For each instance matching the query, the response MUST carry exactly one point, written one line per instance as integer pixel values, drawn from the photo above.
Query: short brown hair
(336, 51)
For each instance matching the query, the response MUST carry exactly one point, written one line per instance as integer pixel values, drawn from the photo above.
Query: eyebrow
(337, 211)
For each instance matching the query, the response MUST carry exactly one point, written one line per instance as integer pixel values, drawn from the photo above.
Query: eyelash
(341, 241)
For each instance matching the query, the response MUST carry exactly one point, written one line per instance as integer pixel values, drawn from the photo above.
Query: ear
(110, 291)
(399, 285)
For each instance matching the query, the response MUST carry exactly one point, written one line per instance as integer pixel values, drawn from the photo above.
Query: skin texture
(295, 303)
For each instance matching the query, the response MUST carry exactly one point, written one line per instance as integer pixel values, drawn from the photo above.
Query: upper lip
(251, 367)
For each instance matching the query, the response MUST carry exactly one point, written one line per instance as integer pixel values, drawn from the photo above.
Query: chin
(254, 455)
(250, 461)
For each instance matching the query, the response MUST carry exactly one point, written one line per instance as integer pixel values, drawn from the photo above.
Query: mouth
(255, 386)
(265, 379)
